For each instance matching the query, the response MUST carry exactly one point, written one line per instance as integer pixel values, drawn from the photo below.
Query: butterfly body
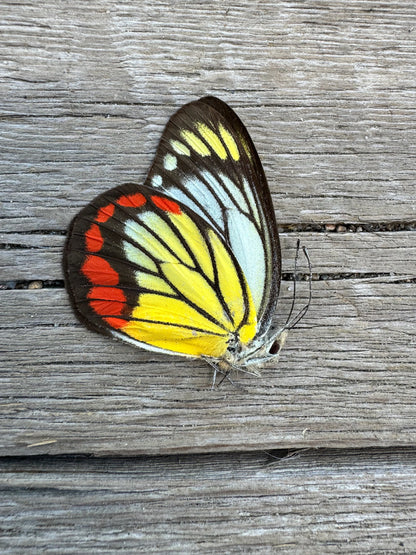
(189, 262)
(248, 358)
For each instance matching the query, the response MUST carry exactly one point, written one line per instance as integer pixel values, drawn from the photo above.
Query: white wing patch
(218, 189)
(251, 200)
(234, 192)
(247, 247)
(199, 190)
(181, 197)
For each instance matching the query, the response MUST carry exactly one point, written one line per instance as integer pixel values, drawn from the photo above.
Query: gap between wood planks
(286, 228)
(268, 456)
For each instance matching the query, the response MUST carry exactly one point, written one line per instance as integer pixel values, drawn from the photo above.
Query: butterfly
(188, 263)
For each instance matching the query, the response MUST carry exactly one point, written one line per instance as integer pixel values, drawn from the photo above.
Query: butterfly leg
(226, 376)
(214, 378)
(225, 372)
(216, 370)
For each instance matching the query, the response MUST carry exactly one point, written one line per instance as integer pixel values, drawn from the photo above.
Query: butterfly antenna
(304, 310)
(294, 283)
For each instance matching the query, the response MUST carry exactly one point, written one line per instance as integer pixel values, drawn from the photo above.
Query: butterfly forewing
(207, 161)
(142, 266)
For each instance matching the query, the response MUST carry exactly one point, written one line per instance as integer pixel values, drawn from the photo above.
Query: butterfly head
(262, 349)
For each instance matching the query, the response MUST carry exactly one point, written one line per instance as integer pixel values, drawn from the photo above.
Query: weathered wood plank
(327, 92)
(86, 88)
(158, 49)
(55, 167)
(40, 256)
(345, 379)
(315, 502)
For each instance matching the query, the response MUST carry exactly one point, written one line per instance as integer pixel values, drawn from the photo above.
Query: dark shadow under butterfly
(188, 263)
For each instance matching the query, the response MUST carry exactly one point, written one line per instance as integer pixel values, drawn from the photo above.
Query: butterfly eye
(275, 348)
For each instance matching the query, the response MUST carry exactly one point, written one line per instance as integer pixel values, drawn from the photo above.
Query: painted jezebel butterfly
(188, 263)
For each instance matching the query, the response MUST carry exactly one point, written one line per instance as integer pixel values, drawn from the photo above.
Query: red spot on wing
(99, 271)
(105, 213)
(166, 204)
(107, 293)
(107, 301)
(107, 308)
(116, 323)
(93, 239)
(132, 201)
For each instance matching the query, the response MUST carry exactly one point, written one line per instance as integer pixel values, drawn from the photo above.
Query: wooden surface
(327, 92)
(346, 378)
(209, 504)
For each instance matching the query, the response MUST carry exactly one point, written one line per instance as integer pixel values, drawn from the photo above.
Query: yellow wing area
(204, 302)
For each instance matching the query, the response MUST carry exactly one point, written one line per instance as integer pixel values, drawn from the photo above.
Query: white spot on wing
(170, 162)
(157, 180)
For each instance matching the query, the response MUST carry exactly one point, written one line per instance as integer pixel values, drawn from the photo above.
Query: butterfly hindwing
(143, 267)
(207, 161)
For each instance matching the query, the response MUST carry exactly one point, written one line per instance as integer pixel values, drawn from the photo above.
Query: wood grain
(345, 379)
(327, 92)
(313, 502)
(87, 88)
(39, 256)
(55, 166)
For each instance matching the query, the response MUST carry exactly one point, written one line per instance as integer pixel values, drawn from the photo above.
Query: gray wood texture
(327, 91)
(92, 89)
(314, 502)
(392, 254)
(344, 379)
